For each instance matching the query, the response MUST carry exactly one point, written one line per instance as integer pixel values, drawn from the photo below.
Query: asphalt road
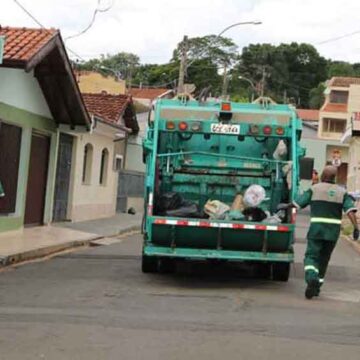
(96, 304)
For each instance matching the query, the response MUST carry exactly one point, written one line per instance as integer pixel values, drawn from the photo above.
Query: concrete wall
(22, 90)
(92, 200)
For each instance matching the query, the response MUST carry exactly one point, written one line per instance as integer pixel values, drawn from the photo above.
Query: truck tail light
(254, 129)
(267, 130)
(170, 125)
(196, 126)
(183, 126)
(280, 130)
(225, 106)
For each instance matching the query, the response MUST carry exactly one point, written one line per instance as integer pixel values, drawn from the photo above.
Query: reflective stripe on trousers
(325, 220)
(311, 268)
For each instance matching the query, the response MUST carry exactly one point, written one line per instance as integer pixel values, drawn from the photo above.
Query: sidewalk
(40, 241)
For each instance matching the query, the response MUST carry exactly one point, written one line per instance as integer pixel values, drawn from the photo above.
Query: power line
(43, 27)
(96, 11)
(339, 37)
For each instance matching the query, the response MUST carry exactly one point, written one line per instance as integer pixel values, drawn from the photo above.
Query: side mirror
(306, 165)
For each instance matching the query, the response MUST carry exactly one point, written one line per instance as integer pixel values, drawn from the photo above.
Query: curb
(53, 249)
(354, 244)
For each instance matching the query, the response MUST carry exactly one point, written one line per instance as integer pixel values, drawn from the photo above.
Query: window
(104, 166)
(339, 97)
(87, 164)
(334, 125)
(118, 162)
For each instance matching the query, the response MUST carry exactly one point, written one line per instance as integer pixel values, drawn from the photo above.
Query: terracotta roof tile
(330, 107)
(144, 93)
(343, 81)
(21, 44)
(105, 106)
(308, 114)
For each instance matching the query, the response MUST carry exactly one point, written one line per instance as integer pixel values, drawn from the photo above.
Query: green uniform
(327, 202)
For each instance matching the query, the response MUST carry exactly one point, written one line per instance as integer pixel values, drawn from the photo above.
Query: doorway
(62, 184)
(37, 180)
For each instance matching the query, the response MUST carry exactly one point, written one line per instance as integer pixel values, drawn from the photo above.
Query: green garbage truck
(200, 154)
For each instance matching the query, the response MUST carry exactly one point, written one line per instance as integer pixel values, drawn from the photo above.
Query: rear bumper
(211, 254)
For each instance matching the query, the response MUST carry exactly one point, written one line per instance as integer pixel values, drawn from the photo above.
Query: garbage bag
(168, 201)
(276, 218)
(280, 151)
(238, 203)
(254, 196)
(254, 214)
(216, 209)
(187, 209)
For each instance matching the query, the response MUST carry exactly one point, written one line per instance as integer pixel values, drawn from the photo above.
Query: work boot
(312, 289)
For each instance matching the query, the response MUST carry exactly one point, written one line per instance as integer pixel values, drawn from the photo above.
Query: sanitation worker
(327, 202)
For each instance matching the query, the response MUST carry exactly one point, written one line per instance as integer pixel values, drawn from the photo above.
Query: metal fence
(130, 184)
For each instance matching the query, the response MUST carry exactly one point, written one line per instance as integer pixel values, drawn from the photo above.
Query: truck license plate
(225, 129)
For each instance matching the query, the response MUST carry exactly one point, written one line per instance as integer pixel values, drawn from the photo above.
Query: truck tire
(167, 266)
(149, 264)
(280, 271)
(263, 271)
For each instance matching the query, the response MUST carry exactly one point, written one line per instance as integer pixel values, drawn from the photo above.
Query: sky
(152, 28)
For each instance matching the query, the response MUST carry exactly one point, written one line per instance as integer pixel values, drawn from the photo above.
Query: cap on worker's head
(329, 173)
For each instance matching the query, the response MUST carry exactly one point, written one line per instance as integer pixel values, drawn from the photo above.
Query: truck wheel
(281, 271)
(167, 266)
(149, 264)
(263, 271)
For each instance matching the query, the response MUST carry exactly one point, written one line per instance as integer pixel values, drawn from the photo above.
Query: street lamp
(223, 31)
(115, 72)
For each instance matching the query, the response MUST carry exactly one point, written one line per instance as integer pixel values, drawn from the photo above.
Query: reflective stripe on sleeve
(312, 268)
(325, 220)
(321, 281)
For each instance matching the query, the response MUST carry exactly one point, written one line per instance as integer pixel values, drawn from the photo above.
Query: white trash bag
(216, 209)
(254, 196)
(280, 151)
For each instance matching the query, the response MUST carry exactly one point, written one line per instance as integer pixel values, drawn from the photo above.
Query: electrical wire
(44, 28)
(96, 11)
(339, 37)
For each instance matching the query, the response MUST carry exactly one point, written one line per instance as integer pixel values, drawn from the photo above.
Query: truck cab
(215, 150)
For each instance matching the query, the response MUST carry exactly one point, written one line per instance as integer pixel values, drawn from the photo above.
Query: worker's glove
(356, 234)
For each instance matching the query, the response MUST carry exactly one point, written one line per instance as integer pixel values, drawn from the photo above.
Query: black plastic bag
(254, 214)
(168, 201)
(188, 209)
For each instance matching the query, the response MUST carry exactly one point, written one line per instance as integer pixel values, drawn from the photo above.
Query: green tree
(340, 68)
(317, 96)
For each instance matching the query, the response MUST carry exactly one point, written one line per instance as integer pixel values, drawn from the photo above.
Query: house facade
(94, 159)
(38, 93)
(342, 98)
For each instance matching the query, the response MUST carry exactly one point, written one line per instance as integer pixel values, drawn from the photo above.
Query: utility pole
(225, 82)
(183, 64)
(263, 80)
(285, 97)
(130, 77)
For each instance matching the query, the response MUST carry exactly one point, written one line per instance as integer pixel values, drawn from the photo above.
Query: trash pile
(244, 207)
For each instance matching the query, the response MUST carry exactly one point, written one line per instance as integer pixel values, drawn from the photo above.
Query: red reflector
(238, 226)
(183, 126)
(182, 222)
(160, 222)
(204, 224)
(283, 228)
(260, 227)
(280, 131)
(267, 130)
(225, 106)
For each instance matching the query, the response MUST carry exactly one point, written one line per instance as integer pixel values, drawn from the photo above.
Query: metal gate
(130, 184)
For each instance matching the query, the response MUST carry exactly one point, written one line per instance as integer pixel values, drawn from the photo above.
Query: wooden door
(62, 183)
(37, 179)
(341, 178)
